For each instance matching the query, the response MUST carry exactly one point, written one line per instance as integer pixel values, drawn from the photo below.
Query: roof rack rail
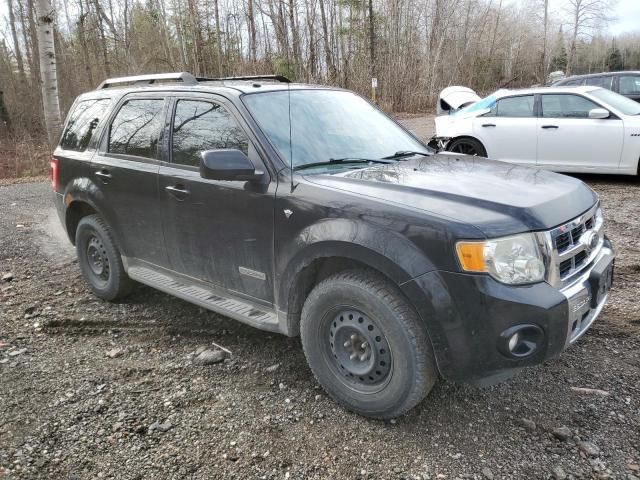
(277, 78)
(185, 77)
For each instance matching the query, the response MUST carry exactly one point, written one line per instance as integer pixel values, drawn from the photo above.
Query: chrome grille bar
(569, 248)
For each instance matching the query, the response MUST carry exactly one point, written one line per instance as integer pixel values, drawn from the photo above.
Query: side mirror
(227, 164)
(599, 113)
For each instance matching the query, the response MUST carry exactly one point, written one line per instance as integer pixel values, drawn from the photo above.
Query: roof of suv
(186, 82)
(595, 75)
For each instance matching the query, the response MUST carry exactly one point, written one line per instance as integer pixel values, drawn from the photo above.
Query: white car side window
(566, 106)
(515, 107)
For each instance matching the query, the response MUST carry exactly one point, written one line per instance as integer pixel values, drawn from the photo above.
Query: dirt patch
(70, 411)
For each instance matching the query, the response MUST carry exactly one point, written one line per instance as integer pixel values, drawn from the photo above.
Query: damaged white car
(565, 129)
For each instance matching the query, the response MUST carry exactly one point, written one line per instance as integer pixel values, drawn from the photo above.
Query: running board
(205, 297)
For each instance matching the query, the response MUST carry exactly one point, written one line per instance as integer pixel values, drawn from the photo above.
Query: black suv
(305, 210)
(624, 83)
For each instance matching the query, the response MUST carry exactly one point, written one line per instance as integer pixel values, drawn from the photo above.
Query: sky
(625, 14)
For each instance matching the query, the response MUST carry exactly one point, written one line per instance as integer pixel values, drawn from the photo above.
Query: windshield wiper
(405, 153)
(334, 161)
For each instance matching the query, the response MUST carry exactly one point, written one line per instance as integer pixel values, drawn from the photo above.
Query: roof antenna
(290, 142)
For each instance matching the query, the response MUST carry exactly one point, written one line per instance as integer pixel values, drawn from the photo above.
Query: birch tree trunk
(48, 73)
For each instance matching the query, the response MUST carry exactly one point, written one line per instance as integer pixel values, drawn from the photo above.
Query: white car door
(508, 131)
(570, 141)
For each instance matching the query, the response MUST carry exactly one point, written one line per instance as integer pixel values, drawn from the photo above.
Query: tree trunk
(48, 73)
(216, 7)
(253, 42)
(16, 44)
(331, 68)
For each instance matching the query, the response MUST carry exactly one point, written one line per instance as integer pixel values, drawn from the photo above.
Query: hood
(453, 98)
(496, 197)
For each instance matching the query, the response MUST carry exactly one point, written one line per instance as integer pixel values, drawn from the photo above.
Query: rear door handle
(104, 175)
(550, 126)
(178, 191)
(488, 124)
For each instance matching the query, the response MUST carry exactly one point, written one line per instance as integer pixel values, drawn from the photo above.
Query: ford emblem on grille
(590, 240)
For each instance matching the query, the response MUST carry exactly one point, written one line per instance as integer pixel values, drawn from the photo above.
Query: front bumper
(466, 316)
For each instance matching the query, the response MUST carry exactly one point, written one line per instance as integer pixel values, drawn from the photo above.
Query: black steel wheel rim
(358, 351)
(98, 260)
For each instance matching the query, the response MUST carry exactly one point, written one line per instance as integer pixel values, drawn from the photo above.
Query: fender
(381, 249)
(84, 190)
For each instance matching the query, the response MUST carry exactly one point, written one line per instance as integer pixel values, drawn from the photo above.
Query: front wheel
(100, 260)
(366, 345)
(467, 146)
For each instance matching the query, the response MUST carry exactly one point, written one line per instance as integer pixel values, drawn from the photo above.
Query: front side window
(136, 128)
(325, 125)
(198, 126)
(629, 85)
(82, 123)
(603, 82)
(513, 107)
(566, 106)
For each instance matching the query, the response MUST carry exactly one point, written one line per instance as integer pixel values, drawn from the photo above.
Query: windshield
(327, 124)
(485, 104)
(624, 105)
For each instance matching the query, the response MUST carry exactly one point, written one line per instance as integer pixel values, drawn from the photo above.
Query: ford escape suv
(305, 210)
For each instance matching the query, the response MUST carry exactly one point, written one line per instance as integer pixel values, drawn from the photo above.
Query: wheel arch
(323, 258)
(78, 203)
(470, 137)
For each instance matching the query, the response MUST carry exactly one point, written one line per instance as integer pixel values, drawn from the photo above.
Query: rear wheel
(99, 259)
(366, 345)
(467, 146)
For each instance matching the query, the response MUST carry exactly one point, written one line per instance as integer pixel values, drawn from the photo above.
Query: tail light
(54, 174)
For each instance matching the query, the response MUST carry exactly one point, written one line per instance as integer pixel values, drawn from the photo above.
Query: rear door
(125, 171)
(568, 140)
(216, 231)
(508, 131)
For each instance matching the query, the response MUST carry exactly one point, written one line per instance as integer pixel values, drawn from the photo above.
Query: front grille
(571, 253)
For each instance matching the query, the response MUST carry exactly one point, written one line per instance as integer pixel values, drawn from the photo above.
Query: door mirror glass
(598, 113)
(227, 164)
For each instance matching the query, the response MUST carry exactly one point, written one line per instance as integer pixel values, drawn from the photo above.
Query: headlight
(514, 260)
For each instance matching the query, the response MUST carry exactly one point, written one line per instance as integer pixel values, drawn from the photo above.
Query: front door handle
(103, 175)
(550, 126)
(178, 191)
(488, 124)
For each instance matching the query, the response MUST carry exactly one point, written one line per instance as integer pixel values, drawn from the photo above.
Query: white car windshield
(621, 103)
(326, 125)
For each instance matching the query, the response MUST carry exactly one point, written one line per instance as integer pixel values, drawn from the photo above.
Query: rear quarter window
(82, 123)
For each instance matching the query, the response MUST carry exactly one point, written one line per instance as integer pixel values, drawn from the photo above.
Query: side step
(205, 297)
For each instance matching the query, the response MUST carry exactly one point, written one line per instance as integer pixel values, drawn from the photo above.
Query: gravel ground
(92, 390)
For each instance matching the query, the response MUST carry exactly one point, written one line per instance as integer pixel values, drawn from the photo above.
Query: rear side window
(199, 126)
(82, 122)
(604, 82)
(629, 85)
(566, 106)
(136, 128)
(513, 107)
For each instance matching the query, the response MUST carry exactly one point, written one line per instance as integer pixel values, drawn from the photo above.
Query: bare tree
(585, 15)
(48, 71)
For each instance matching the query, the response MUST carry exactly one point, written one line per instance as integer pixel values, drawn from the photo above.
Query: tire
(100, 260)
(467, 146)
(393, 368)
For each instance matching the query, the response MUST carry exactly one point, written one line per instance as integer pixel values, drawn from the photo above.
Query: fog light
(521, 341)
(514, 341)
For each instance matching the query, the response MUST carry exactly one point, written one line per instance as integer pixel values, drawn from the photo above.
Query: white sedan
(566, 129)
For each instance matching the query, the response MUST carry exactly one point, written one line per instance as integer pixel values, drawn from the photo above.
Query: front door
(125, 173)
(568, 140)
(508, 131)
(219, 232)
